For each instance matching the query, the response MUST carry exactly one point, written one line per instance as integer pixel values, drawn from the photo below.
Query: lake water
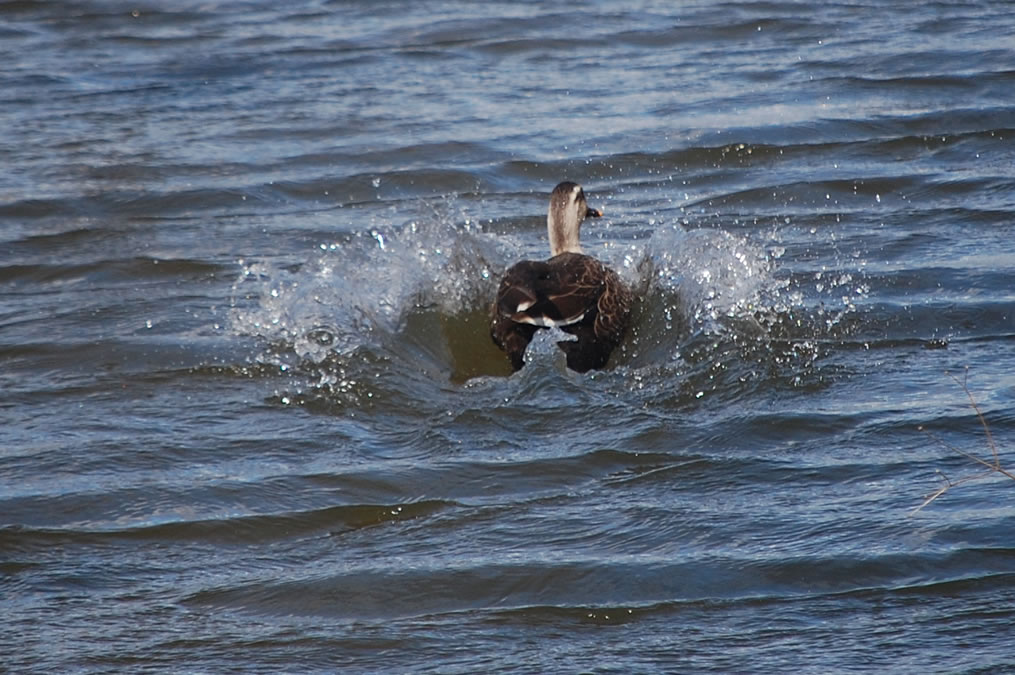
(251, 419)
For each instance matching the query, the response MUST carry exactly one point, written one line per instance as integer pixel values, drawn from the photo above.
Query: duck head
(564, 219)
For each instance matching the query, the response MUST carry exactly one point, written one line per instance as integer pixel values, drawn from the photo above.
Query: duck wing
(613, 308)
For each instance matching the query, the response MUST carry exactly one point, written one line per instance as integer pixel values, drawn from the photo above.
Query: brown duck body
(571, 291)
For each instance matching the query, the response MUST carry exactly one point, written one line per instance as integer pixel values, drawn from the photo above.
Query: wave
(629, 588)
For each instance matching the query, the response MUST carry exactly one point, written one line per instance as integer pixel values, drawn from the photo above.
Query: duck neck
(563, 235)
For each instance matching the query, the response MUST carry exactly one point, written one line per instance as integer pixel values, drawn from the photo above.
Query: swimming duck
(571, 291)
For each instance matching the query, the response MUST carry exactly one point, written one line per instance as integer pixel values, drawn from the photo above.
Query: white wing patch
(522, 306)
(545, 321)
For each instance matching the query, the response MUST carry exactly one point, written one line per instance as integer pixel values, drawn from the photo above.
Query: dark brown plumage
(571, 291)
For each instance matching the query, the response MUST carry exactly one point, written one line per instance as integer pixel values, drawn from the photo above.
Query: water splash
(359, 300)
(719, 311)
(388, 304)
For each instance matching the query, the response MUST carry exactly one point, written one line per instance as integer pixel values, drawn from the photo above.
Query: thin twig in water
(992, 467)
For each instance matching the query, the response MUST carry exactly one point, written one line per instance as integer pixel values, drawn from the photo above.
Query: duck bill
(593, 213)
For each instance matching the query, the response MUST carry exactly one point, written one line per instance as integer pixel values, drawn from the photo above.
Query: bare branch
(992, 467)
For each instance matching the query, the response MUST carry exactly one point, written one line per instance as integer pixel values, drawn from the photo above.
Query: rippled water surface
(251, 418)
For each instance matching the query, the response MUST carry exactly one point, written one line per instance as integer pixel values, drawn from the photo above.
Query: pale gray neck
(563, 225)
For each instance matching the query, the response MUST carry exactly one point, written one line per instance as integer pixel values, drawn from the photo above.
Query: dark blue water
(251, 419)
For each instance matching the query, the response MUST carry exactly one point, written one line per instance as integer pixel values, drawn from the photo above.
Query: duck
(571, 291)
